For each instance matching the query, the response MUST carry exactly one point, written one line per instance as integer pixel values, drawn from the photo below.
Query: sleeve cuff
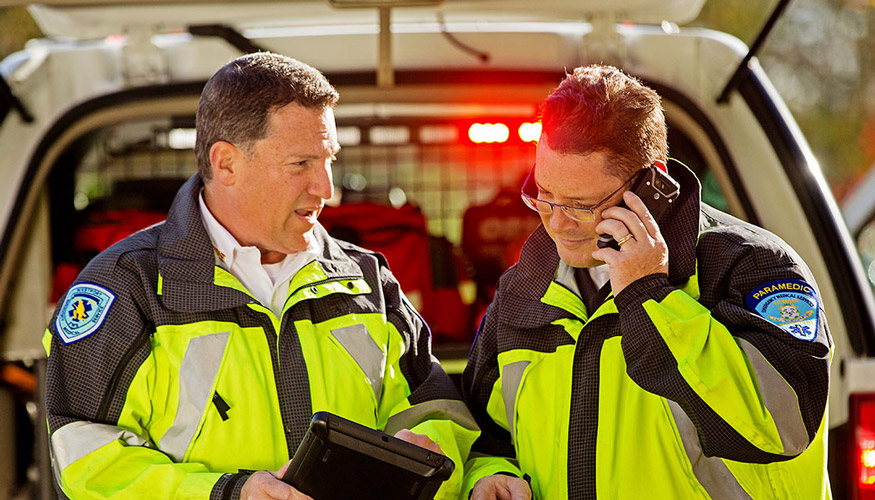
(228, 486)
(653, 286)
(478, 467)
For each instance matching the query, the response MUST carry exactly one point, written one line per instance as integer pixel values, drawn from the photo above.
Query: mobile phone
(657, 190)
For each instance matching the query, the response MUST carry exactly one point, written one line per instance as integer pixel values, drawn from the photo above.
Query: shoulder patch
(83, 312)
(790, 304)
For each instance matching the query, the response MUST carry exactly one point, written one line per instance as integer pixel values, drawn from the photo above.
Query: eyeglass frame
(530, 201)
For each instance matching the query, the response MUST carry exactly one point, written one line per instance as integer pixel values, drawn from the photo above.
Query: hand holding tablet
(340, 459)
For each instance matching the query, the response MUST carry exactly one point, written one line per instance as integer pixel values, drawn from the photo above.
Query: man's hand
(643, 250)
(501, 487)
(264, 485)
(419, 440)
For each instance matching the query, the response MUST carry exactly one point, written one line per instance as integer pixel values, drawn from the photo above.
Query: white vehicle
(858, 208)
(437, 118)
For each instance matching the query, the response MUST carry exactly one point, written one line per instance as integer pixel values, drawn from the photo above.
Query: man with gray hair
(192, 354)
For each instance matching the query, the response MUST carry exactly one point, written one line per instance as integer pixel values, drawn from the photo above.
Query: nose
(321, 184)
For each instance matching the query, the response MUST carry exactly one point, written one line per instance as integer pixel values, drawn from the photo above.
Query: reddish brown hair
(600, 108)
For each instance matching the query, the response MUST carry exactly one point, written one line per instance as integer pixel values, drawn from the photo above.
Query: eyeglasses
(581, 214)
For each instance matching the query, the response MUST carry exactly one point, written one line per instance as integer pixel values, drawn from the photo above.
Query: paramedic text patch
(789, 304)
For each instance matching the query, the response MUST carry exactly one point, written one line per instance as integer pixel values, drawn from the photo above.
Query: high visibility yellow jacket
(167, 379)
(685, 386)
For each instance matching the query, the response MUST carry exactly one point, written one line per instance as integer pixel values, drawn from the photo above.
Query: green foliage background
(821, 59)
(16, 27)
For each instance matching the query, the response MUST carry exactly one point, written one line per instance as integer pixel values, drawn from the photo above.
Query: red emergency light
(530, 131)
(488, 133)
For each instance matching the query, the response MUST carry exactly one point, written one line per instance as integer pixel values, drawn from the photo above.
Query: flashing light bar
(389, 134)
(530, 132)
(349, 136)
(488, 133)
(436, 134)
(181, 138)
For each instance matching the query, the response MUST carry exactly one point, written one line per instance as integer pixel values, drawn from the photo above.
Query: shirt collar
(224, 243)
(228, 250)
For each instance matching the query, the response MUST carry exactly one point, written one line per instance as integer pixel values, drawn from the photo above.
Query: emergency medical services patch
(789, 304)
(83, 312)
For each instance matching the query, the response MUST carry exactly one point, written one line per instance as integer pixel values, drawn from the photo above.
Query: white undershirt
(600, 275)
(269, 283)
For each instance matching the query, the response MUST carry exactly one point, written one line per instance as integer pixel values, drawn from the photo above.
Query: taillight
(862, 420)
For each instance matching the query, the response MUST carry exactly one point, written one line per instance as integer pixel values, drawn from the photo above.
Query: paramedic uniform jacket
(676, 388)
(165, 376)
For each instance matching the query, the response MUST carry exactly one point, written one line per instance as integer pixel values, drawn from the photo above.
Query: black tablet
(339, 459)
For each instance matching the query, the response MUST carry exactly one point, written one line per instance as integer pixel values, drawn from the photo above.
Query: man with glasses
(661, 368)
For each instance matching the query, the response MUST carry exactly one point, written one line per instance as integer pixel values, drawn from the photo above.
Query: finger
(479, 493)
(271, 487)
(505, 491)
(420, 440)
(486, 488)
(282, 472)
(614, 227)
(630, 220)
(520, 490)
(607, 255)
(636, 204)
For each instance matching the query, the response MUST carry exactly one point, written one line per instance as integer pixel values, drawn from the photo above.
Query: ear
(225, 161)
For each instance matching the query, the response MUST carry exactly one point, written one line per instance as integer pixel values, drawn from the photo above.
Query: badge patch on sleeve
(789, 304)
(83, 312)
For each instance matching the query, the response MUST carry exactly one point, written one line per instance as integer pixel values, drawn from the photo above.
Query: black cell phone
(339, 459)
(657, 190)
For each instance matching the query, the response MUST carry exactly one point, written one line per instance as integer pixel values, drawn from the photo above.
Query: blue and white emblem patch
(789, 304)
(83, 312)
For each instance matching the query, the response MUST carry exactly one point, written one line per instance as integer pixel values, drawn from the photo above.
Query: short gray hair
(237, 100)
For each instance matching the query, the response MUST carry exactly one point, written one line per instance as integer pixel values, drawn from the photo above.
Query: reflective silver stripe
(372, 360)
(511, 377)
(436, 409)
(77, 439)
(197, 372)
(781, 401)
(711, 472)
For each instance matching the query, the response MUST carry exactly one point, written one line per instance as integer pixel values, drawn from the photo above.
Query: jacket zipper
(221, 406)
(117, 375)
(412, 371)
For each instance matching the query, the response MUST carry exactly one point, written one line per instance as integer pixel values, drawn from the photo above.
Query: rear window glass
(438, 197)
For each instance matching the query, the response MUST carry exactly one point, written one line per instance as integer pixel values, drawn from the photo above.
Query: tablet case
(339, 459)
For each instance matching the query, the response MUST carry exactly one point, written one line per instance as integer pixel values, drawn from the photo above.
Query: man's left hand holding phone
(642, 250)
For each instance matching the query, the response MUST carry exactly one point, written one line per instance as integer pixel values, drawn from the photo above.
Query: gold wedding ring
(624, 239)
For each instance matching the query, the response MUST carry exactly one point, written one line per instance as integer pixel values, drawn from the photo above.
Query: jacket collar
(523, 286)
(186, 260)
